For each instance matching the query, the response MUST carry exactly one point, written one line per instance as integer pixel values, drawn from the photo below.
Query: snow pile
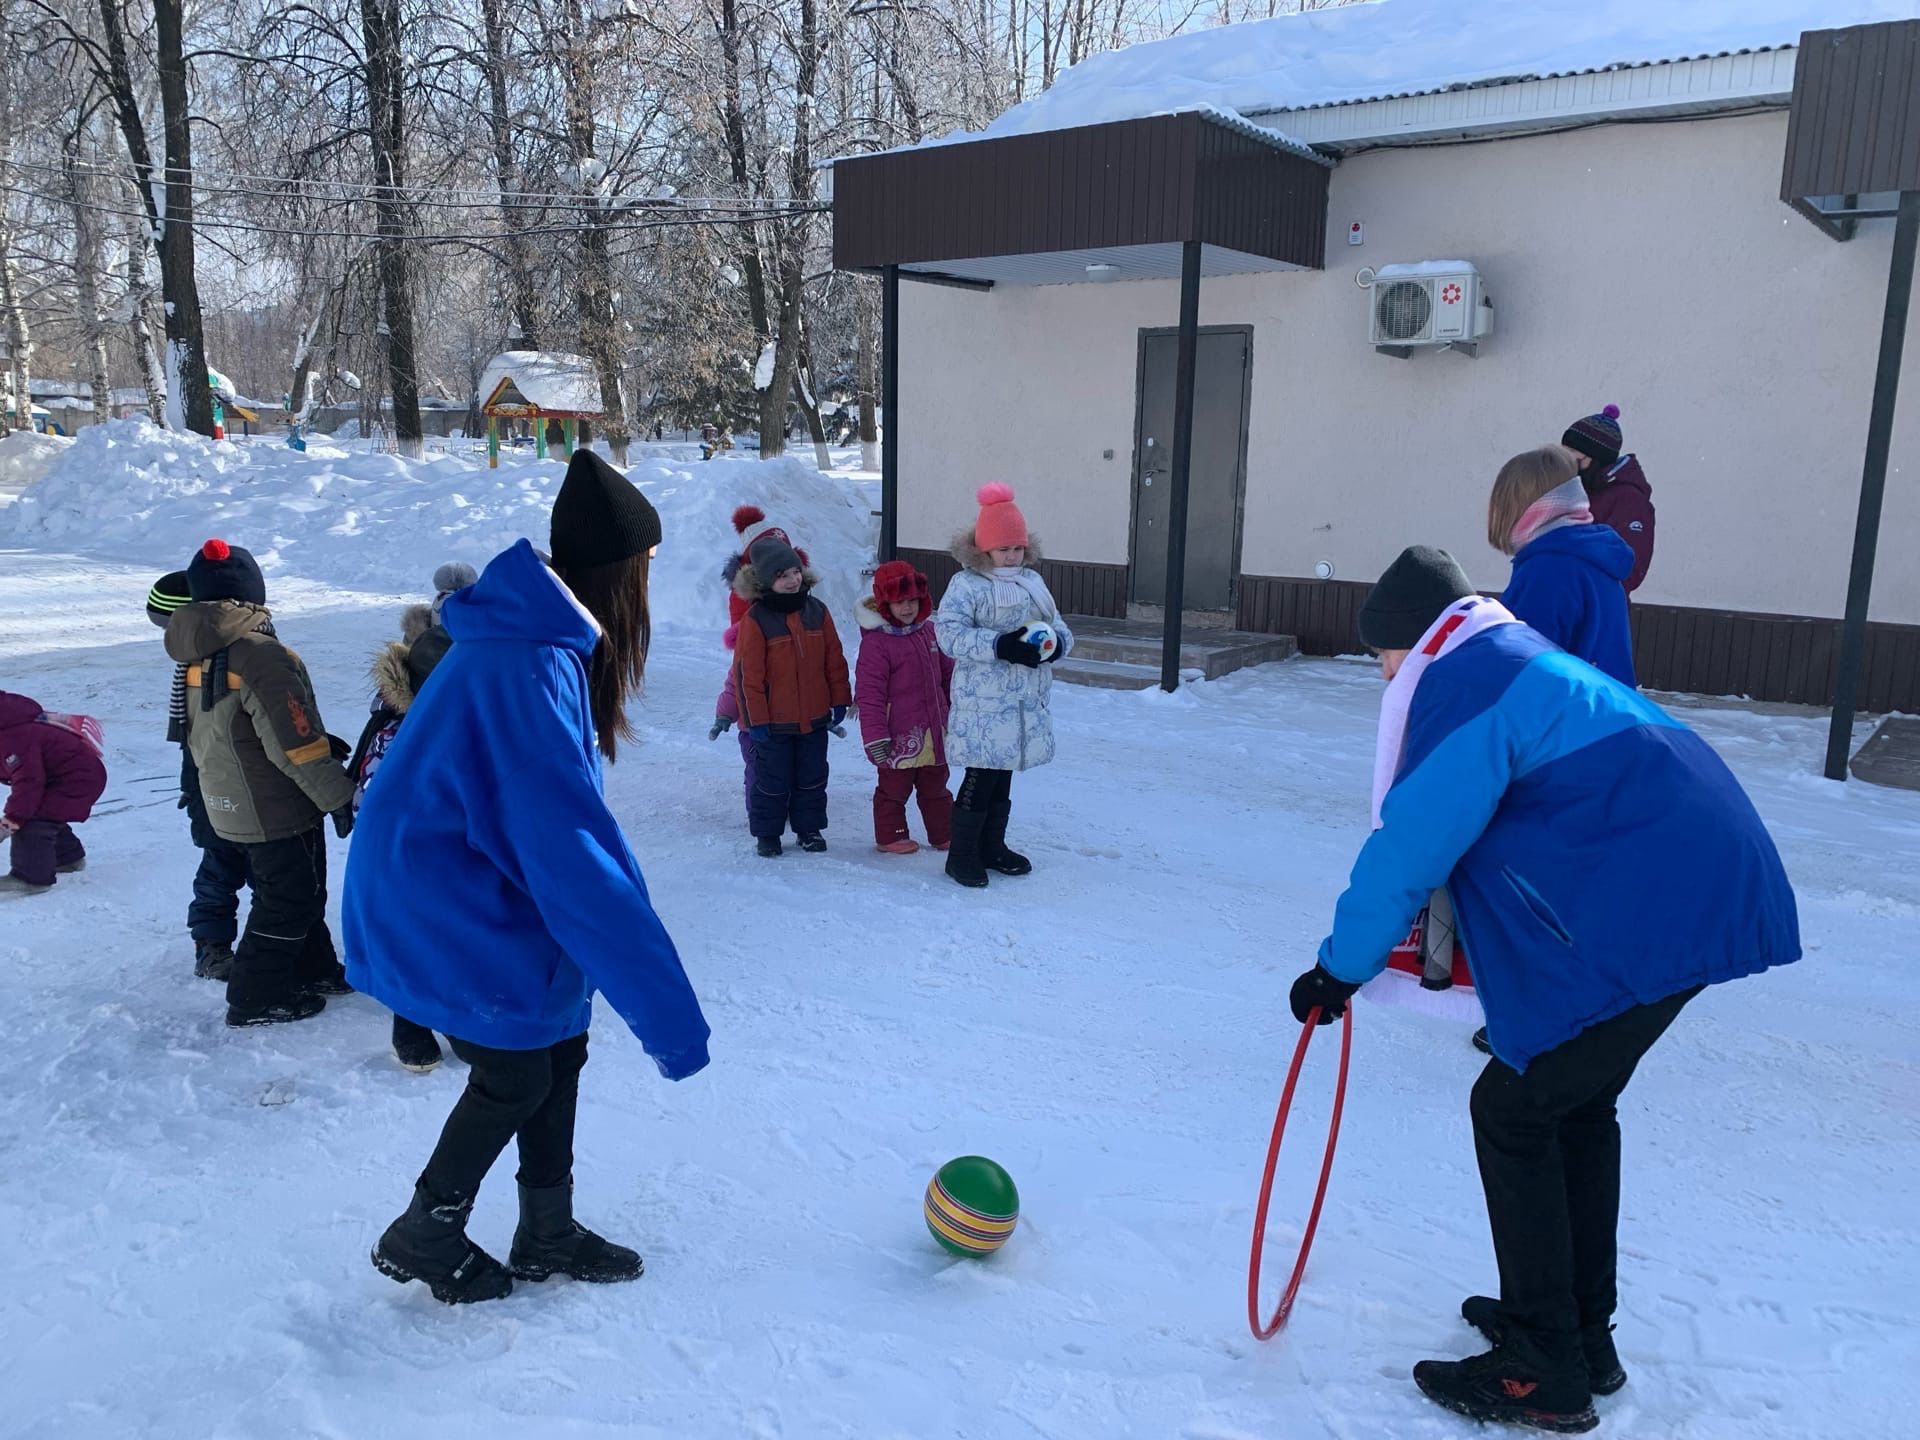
(26, 455)
(376, 522)
(550, 380)
(1404, 47)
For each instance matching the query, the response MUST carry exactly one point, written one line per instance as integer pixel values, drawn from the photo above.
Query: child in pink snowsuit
(902, 684)
(52, 767)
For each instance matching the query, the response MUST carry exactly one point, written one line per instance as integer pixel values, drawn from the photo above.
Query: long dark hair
(616, 596)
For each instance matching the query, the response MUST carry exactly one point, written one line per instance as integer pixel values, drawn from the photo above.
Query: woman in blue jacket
(1524, 775)
(1569, 573)
(490, 892)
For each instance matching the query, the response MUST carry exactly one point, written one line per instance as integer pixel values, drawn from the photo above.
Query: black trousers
(529, 1094)
(789, 784)
(287, 942)
(214, 916)
(983, 789)
(1548, 1142)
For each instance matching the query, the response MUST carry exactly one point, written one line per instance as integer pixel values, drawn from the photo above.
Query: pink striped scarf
(1563, 505)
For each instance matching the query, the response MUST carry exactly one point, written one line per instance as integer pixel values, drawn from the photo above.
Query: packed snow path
(189, 1209)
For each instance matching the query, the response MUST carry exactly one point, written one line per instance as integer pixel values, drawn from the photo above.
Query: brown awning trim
(1853, 136)
(1166, 178)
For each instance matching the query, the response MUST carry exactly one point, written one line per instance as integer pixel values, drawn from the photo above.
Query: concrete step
(1211, 653)
(1106, 674)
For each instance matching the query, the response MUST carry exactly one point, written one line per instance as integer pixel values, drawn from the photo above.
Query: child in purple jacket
(52, 767)
(901, 684)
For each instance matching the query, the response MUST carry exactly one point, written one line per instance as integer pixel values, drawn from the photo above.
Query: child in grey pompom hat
(452, 576)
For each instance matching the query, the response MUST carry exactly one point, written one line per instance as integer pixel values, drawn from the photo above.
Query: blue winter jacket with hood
(1570, 585)
(489, 891)
(1599, 854)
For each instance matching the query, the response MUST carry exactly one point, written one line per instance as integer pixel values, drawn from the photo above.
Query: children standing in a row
(268, 776)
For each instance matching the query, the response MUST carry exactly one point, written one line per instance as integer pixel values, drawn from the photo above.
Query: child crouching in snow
(52, 767)
(901, 684)
(1000, 720)
(399, 672)
(791, 678)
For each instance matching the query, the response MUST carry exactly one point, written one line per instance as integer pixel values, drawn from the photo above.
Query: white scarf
(1028, 582)
(1458, 623)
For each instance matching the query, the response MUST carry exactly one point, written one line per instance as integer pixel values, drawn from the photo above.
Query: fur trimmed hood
(870, 616)
(390, 678)
(415, 621)
(972, 557)
(747, 585)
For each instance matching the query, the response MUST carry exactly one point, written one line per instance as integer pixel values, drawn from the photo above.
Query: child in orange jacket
(791, 680)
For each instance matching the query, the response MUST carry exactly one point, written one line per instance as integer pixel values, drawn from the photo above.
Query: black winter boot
(1605, 1374)
(994, 853)
(1480, 1041)
(813, 842)
(213, 960)
(1518, 1382)
(331, 981)
(551, 1242)
(415, 1046)
(429, 1243)
(767, 847)
(303, 1006)
(963, 859)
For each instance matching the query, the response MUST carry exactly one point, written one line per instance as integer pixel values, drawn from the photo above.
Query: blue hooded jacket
(1599, 854)
(489, 890)
(1570, 585)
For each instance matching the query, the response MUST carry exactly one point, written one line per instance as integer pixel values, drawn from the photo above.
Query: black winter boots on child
(980, 815)
(429, 1243)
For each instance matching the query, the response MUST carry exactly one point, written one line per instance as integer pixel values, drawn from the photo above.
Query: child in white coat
(1000, 721)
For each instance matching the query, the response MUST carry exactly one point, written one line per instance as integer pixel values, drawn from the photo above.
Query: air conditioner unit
(1432, 304)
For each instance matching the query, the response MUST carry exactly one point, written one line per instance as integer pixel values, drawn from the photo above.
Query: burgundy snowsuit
(901, 684)
(1624, 501)
(54, 777)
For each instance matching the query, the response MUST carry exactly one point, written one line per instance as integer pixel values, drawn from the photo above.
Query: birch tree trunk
(523, 291)
(89, 261)
(189, 397)
(142, 326)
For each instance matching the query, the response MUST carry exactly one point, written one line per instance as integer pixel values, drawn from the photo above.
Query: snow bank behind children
(380, 523)
(25, 456)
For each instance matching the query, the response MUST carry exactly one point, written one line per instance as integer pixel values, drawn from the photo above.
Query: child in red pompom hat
(1000, 624)
(900, 685)
(750, 524)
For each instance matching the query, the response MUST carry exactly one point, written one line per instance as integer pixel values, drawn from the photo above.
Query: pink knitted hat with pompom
(1000, 524)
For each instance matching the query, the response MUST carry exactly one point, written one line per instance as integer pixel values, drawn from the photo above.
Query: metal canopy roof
(1136, 187)
(1853, 140)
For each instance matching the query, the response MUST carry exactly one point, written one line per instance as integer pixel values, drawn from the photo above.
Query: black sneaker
(283, 1012)
(768, 847)
(812, 841)
(213, 960)
(1605, 1374)
(1480, 1041)
(1515, 1383)
(332, 981)
(549, 1241)
(429, 1244)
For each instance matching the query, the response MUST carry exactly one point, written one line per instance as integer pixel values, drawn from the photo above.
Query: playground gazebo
(539, 386)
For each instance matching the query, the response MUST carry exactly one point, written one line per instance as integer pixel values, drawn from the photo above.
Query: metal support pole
(1184, 366)
(1873, 485)
(889, 412)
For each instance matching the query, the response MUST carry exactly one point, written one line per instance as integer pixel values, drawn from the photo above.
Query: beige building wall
(1652, 266)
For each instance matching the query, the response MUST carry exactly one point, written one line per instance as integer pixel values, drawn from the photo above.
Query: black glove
(1317, 987)
(1015, 650)
(343, 821)
(339, 748)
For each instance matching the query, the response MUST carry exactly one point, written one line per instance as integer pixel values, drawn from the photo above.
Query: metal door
(1217, 478)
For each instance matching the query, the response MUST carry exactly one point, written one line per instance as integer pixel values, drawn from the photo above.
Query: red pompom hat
(219, 571)
(750, 523)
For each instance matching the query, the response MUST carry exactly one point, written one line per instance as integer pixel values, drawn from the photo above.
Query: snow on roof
(549, 380)
(1385, 49)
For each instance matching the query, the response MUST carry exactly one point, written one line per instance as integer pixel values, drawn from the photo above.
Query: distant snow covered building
(1429, 234)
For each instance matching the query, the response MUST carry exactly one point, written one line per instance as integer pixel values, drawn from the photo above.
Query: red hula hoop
(1272, 1328)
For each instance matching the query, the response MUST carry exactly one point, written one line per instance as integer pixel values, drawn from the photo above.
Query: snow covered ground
(190, 1209)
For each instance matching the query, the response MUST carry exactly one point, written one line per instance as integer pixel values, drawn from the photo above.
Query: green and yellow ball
(972, 1206)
